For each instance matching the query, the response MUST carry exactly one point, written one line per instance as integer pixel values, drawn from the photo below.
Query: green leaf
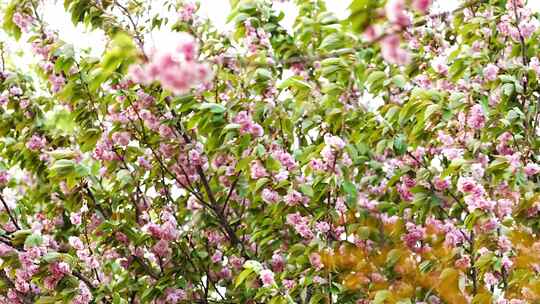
(263, 75)
(51, 257)
(260, 183)
(317, 298)
(231, 126)
(63, 168)
(19, 237)
(243, 276)
(375, 80)
(400, 144)
(332, 42)
(213, 107)
(296, 82)
(470, 220)
(124, 177)
(399, 81)
(254, 265)
(46, 300)
(362, 14)
(381, 296)
(350, 189)
(9, 26)
(307, 190)
(508, 89)
(482, 298)
(33, 240)
(484, 261)
(425, 266)
(430, 110)
(393, 257)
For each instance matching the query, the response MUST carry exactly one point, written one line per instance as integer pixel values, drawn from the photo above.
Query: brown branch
(148, 270)
(2, 54)
(233, 186)
(81, 277)
(9, 213)
(213, 203)
(94, 201)
(137, 35)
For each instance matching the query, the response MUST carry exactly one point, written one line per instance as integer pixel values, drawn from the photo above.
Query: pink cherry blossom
(476, 118)
(421, 5)
(392, 52)
(36, 143)
(270, 196)
(267, 277)
(395, 12)
(491, 71)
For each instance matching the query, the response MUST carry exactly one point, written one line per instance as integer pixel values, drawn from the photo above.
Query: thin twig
(9, 213)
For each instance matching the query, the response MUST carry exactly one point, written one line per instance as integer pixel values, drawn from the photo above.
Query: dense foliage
(391, 157)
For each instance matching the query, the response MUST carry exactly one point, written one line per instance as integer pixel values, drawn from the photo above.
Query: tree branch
(6, 207)
(147, 269)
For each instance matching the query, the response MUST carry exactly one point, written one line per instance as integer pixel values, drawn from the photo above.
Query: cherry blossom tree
(391, 157)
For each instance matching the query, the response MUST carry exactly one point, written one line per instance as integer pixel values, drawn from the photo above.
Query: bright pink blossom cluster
(397, 14)
(36, 143)
(23, 21)
(247, 125)
(187, 11)
(255, 38)
(476, 118)
(58, 270)
(413, 238)
(176, 69)
(267, 277)
(300, 224)
(521, 28)
(333, 155)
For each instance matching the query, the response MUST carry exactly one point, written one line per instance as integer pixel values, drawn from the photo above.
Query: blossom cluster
(176, 69)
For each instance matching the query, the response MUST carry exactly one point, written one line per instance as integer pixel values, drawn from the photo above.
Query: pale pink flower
(278, 262)
(23, 21)
(218, 255)
(36, 143)
(186, 14)
(334, 141)
(441, 184)
(174, 295)
(121, 138)
(532, 169)
(421, 5)
(476, 118)
(439, 65)
(161, 249)
(395, 12)
(534, 64)
(391, 51)
(316, 261)
(491, 71)
(57, 82)
(76, 243)
(270, 196)
(267, 277)
(289, 284)
(463, 263)
(490, 279)
(75, 218)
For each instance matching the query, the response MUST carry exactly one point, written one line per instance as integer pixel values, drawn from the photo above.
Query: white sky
(216, 10)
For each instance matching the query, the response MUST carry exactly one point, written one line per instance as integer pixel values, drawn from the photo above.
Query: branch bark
(12, 218)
